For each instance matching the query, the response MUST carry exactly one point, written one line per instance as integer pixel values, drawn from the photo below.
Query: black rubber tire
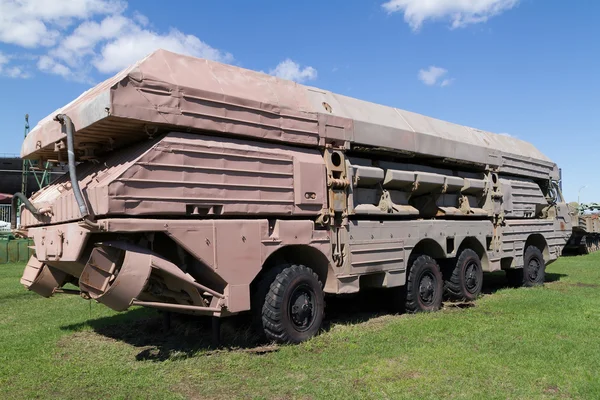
(465, 280)
(534, 267)
(258, 299)
(424, 286)
(293, 307)
(533, 272)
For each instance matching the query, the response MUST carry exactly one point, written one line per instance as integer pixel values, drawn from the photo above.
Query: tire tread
(412, 303)
(272, 309)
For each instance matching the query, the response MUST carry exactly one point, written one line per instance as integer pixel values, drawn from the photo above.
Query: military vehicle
(586, 229)
(205, 188)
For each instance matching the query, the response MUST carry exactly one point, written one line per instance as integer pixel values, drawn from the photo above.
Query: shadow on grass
(494, 281)
(185, 335)
(182, 337)
(146, 329)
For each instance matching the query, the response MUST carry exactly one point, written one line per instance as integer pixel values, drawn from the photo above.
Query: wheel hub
(427, 289)
(471, 280)
(301, 310)
(534, 269)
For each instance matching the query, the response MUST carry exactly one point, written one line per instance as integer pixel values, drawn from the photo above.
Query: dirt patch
(586, 285)
(459, 305)
(86, 336)
(358, 383)
(564, 286)
(555, 391)
(552, 389)
(191, 392)
(402, 376)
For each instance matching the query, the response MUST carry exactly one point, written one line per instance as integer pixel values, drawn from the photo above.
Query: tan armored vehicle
(586, 229)
(205, 188)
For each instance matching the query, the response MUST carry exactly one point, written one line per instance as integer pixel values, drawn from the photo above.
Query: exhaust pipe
(83, 209)
(28, 205)
(66, 121)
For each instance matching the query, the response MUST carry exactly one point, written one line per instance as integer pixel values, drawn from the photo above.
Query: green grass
(514, 343)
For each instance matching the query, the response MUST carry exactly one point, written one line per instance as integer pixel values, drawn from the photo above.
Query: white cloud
(50, 65)
(14, 72)
(140, 18)
(75, 38)
(11, 71)
(459, 12)
(291, 70)
(447, 82)
(83, 35)
(83, 40)
(432, 76)
(34, 23)
(137, 43)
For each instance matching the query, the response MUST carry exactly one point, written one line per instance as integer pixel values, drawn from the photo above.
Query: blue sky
(528, 68)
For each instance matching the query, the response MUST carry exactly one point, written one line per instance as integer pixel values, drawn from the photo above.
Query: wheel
(534, 267)
(466, 280)
(424, 286)
(533, 272)
(293, 307)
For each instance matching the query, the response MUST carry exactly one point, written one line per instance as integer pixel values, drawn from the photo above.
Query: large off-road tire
(293, 307)
(259, 296)
(466, 279)
(424, 286)
(533, 272)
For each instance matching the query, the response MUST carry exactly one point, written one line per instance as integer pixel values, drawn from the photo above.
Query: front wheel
(294, 305)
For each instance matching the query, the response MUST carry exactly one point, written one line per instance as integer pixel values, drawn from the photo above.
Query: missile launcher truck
(204, 188)
(586, 229)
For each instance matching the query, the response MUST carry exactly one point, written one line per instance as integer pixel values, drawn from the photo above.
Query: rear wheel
(293, 307)
(534, 267)
(424, 286)
(466, 279)
(533, 272)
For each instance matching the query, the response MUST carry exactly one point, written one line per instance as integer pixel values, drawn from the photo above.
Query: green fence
(15, 250)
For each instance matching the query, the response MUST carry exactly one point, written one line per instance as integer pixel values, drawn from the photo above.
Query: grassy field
(513, 343)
